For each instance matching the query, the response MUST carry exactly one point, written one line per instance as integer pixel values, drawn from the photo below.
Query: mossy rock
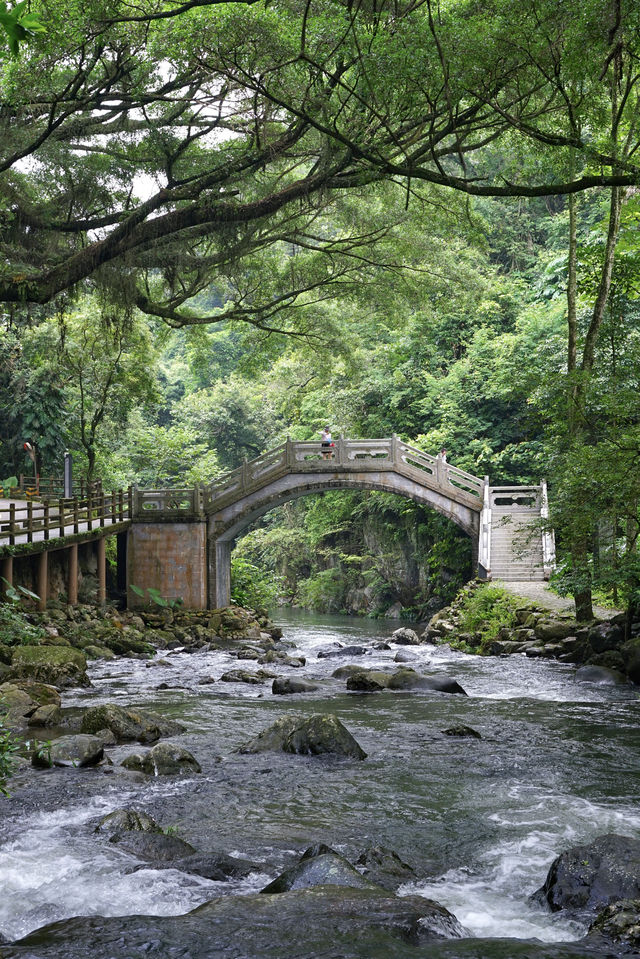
(59, 666)
(307, 735)
(165, 759)
(368, 681)
(126, 820)
(319, 869)
(123, 644)
(128, 725)
(99, 652)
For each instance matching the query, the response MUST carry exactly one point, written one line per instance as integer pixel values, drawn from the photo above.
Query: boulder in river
(306, 735)
(246, 676)
(319, 868)
(165, 759)
(405, 637)
(619, 923)
(404, 656)
(129, 725)
(593, 875)
(368, 681)
(406, 678)
(344, 672)
(385, 867)
(461, 732)
(343, 651)
(79, 751)
(286, 685)
(23, 697)
(126, 820)
(49, 715)
(600, 675)
(302, 922)
(153, 846)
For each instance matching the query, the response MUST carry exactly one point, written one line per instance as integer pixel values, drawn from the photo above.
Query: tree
(106, 363)
(168, 144)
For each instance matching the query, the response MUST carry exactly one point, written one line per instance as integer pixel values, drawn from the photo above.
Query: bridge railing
(439, 472)
(31, 521)
(514, 499)
(343, 455)
(180, 503)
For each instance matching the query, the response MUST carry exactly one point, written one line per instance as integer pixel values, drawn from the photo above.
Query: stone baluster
(290, 453)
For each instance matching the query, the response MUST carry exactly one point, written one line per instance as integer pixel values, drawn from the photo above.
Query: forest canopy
(151, 148)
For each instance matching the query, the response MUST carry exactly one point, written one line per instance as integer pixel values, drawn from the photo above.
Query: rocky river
(463, 800)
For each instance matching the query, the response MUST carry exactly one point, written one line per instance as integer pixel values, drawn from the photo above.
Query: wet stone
(78, 751)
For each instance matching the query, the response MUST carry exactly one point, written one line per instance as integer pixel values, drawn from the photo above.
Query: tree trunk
(584, 605)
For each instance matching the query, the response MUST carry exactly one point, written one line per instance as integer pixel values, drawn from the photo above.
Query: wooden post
(61, 515)
(113, 506)
(72, 575)
(7, 573)
(102, 570)
(12, 523)
(45, 518)
(101, 507)
(89, 509)
(76, 521)
(29, 521)
(43, 580)
(130, 501)
(120, 505)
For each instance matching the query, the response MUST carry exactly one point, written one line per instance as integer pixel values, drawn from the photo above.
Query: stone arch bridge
(180, 541)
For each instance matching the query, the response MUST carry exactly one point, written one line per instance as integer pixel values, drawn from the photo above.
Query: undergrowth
(484, 611)
(15, 630)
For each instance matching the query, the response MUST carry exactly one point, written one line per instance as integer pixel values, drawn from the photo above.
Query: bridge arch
(299, 469)
(181, 539)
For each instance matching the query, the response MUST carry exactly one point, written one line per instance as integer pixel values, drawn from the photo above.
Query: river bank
(554, 761)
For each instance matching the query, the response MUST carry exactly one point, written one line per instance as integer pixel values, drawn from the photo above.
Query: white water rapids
(557, 765)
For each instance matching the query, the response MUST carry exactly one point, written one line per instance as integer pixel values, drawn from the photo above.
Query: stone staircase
(517, 548)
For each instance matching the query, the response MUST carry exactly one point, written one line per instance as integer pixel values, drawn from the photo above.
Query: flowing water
(480, 820)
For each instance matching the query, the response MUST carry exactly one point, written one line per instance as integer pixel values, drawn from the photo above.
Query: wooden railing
(38, 521)
(50, 487)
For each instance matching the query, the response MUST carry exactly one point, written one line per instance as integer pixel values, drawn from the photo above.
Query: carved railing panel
(514, 499)
(265, 465)
(183, 502)
(465, 481)
(416, 459)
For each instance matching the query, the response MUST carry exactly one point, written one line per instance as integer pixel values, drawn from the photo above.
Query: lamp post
(30, 450)
(68, 475)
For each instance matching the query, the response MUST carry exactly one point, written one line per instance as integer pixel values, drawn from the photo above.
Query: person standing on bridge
(325, 439)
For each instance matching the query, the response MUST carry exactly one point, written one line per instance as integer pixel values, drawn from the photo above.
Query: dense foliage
(226, 223)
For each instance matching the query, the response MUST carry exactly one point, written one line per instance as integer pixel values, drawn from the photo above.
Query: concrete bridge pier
(219, 572)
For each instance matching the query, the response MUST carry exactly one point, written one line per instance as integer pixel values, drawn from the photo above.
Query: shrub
(485, 611)
(8, 748)
(15, 630)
